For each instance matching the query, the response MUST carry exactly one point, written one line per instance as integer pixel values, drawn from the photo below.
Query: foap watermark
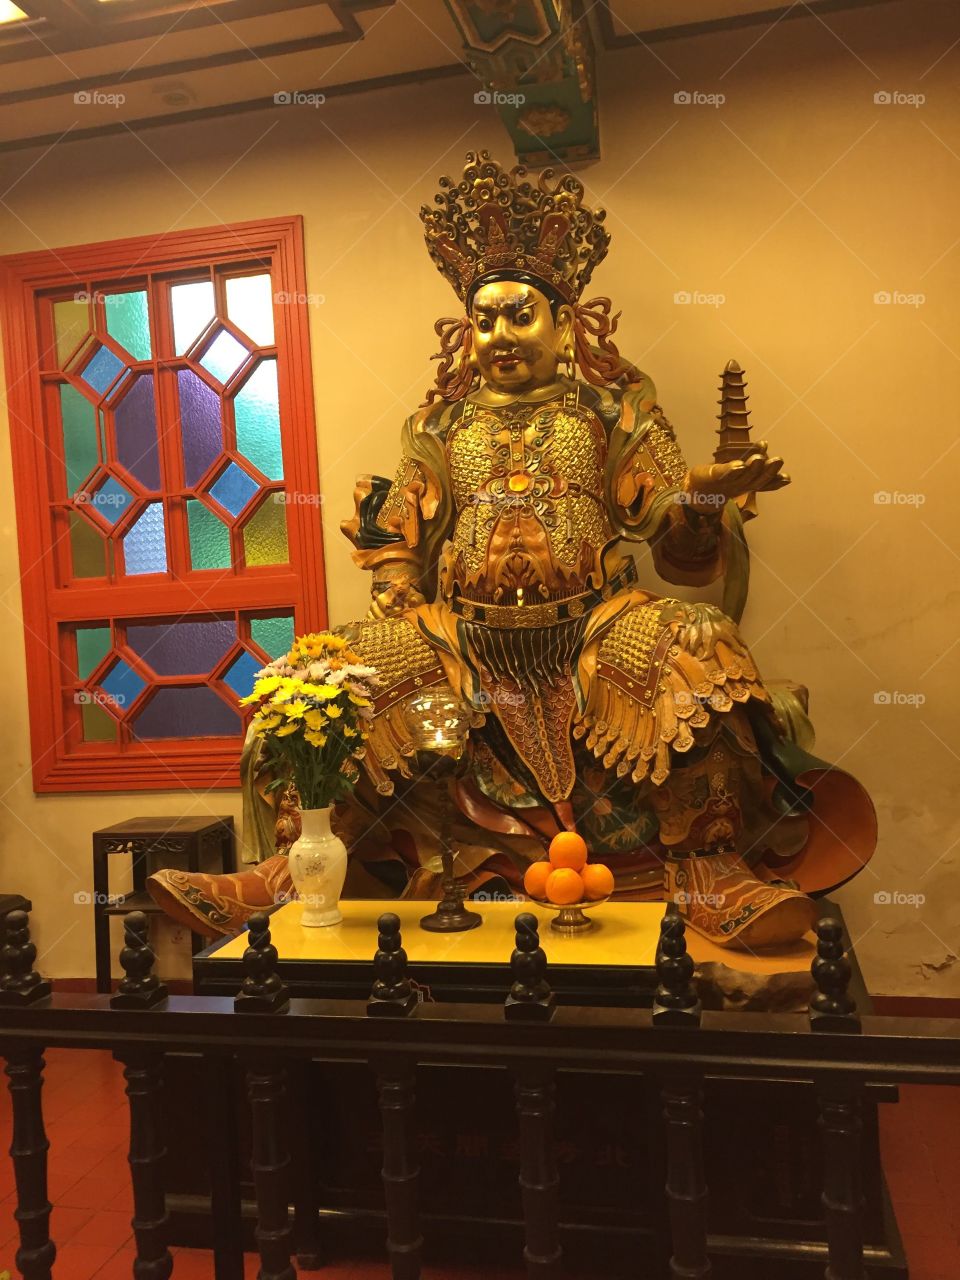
(298, 98)
(295, 498)
(98, 698)
(897, 898)
(684, 899)
(898, 298)
(695, 298)
(697, 98)
(84, 898)
(283, 298)
(102, 499)
(501, 697)
(697, 499)
(494, 98)
(494, 895)
(897, 98)
(96, 98)
(897, 698)
(897, 498)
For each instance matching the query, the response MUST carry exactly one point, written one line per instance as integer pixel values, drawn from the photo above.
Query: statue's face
(516, 339)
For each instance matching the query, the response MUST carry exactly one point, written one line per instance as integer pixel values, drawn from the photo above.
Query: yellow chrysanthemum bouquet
(313, 705)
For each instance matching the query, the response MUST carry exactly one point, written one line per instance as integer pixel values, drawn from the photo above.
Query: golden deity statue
(498, 569)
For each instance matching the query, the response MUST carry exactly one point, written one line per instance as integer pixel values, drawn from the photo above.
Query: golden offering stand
(441, 728)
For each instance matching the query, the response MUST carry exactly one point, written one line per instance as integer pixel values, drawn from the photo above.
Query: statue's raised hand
(758, 473)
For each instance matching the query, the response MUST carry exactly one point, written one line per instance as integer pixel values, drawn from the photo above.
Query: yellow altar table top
(624, 934)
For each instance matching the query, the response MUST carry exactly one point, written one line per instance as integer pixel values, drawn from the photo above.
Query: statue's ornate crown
(493, 221)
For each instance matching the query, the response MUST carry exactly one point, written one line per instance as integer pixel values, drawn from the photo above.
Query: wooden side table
(192, 843)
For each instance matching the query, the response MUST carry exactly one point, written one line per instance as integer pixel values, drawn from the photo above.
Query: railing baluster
(143, 1072)
(21, 985)
(262, 990)
(676, 1004)
(833, 1009)
(394, 996)
(531, 1000)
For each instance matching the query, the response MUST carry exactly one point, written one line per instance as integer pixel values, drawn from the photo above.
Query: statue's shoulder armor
(439, 418)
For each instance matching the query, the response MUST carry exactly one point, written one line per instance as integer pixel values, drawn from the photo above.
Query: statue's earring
(568, 359)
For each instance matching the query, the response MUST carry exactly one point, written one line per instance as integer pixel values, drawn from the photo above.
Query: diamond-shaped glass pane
(122, 685)
(144, 544)
(233, 489)
(102, 370)
(241, 673)
(224, 356)
(111, 500)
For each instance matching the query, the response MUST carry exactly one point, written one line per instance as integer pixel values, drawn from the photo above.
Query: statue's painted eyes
(484, 325)
(524, 318)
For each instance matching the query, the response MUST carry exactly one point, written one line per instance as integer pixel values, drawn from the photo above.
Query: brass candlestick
(442, 722)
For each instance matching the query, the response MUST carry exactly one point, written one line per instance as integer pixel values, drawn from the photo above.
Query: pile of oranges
(566, 877)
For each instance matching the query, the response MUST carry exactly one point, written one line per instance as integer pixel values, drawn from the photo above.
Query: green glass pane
(250, 307)
(79, 435)
(87, 547)
(128, 322)
(71, 323)
(265, 533)
(209, 538)
(273, 635)
(257, 415)
(93, 644)
(193, 308)
(98, 725)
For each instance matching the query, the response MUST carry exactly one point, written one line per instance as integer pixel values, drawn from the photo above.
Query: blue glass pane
(182, 648)
(122, 685)
(233, 489)
(224, 356)
(144, 546)
(240, 674)
(186, 713)
(102, 370)
(111, 500)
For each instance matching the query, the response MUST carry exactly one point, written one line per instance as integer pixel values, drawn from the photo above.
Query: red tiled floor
(89, 1181)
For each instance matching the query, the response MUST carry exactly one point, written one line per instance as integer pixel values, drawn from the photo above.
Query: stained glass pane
(71, 323)
(233, 489)
(87, 548)
(224, 356)
(135, 419)
(79, 435)
(257, 415)
(128, 322)
(182, 648)
(201, 428)
(241, 673)
(122, 685)
(98, 725)
(273, 635)
(144, 545)
(193, 308)
(250, 307)
(265, 534)
(93, 644)
(196, 712)
(102, 370)
(111, 500)
(209, 538)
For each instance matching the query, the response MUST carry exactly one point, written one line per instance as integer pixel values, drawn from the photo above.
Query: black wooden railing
(530, 1035)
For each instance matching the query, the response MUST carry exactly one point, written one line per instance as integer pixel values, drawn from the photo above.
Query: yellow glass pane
(71, 323)
(265, 533)
(9, 12)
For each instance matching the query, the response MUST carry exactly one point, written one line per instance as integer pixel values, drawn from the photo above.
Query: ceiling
(85, 67)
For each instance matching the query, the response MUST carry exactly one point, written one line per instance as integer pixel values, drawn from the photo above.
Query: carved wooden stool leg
(270, 1165)
(143, 1074)
(539, 1179)
(29, 1151)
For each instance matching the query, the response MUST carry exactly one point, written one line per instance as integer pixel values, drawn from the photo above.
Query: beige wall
(798, 200)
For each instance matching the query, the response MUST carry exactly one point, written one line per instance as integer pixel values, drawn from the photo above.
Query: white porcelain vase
(318, 865)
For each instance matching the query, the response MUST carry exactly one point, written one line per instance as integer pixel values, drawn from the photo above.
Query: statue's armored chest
(526, 451)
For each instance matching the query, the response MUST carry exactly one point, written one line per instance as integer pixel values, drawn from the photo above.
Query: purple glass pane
(136, 423)
(186, 713)
(182, 648)
(200, 425)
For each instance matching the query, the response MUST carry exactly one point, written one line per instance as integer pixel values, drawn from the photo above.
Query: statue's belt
(544, 613)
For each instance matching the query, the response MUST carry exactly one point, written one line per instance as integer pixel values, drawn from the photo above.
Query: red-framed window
(165, 465)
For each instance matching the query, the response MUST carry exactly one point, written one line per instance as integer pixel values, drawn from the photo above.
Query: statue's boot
(719, 896)
(215, 905)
